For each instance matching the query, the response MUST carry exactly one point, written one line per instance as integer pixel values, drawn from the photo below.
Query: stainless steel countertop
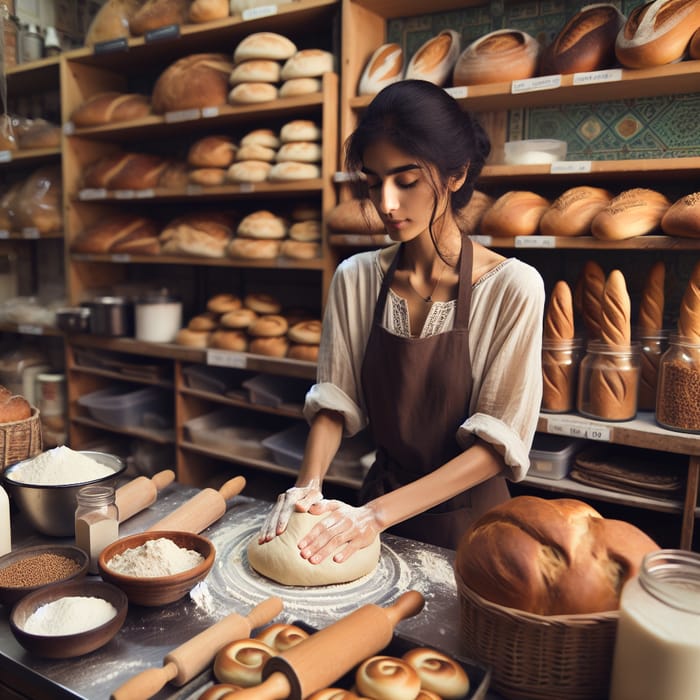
(232, 586)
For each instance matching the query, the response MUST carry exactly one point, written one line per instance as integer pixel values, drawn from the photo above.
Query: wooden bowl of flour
(145, 584)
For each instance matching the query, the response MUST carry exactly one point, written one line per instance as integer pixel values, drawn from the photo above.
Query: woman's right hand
(297, 498)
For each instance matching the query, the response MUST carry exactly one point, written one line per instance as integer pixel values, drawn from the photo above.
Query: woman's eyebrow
(394, 171)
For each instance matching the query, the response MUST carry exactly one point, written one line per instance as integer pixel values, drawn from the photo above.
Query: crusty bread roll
(252, 93)
(153, 14)
(268, 326)
(207, 177)
(205, 234)
(303, 351)
(572, 212)
(111, 21)
(634, 212)
(469, 216)
(215, 151)
(300, 130)
(305, 231)
(682, 218)
(657, 33)
(352, 216)
(110, 107)
(262, 303)
(435, 59)
(104, 234)
(193, 339)
(248, 171)
(253, 249)
(227, 339)
(261, 137)
(293, 170)
(206, 321)
(295, 87)
(300, 250)
(264, 45)
(259, 70)
(238, 319)
(438, 672)
(586, 42)
(384, 67)
(588, 297)
(307, 332)
(387, 677)
(550, 556)
(282, 636)
(651, 305)
(208, 10)
(241, 662)
(224, 302)
(192, 82)
(689, 314)
(272, 347)
(256, 151)
(300, 152)
(515, 213)
(497, 57)
(13, 407)
(262, 224)
(307, 63)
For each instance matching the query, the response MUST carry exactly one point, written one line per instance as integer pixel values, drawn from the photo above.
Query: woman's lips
(395, 224)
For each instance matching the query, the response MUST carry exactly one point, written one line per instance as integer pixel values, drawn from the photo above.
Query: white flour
(69, 615)
(159, 557)
(59, 466)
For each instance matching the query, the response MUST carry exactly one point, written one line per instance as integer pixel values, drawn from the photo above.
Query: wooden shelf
(29, 156)
(228, 400)
(35, 76)
(163, 437)
(122, 377)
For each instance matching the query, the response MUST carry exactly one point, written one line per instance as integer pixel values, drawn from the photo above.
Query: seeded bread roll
(111, 107)
(264, 45)
(515, 213)
(634, 212)
(572, 212)
(682, 218)
(588, 297)
(384, 67)
(214, 151)
(436, 58)
(689, 316)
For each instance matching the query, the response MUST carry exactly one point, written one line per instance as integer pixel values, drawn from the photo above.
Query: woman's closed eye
(406, 184)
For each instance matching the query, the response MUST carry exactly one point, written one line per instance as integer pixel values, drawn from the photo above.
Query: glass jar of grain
(678, 394)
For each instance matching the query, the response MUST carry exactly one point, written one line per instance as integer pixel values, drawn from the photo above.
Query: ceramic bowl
(534, 151)
(10, 594)
(66, 646)
(154, 591)
(50, 509)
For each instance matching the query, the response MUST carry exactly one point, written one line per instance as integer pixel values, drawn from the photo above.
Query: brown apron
(417, 393)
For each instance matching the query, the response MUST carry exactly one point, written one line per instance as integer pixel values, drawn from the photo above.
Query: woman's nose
(389, 201)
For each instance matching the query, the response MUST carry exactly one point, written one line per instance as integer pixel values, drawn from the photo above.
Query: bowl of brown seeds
(29, 568)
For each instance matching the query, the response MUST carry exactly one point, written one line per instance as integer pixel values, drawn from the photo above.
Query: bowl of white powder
(157, 567)
(45, 487)
(69, 619)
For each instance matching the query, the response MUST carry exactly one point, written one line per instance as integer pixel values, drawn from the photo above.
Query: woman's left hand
(343, 531)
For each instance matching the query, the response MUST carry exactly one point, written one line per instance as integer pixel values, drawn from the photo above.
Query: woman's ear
(456, 181)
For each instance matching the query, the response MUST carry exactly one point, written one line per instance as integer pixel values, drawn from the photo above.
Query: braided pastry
(689, 318)
(281, 636)
(651, 307)
(218, 691)
(438, 673)
(589, 292)
(387, 678)
(615, 327)
(241, 662)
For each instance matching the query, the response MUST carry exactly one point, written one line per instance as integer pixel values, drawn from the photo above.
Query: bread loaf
(689, 315)
(255, 151)
(436, 58)
(384, 67)
(214, 151)
(307, 63)
(292, 170)
(207, 177)
(38, 133)
(13, 407)
(138, 245)
(305, 231)
(682, 218)
(550, 556)
(104, 234)
(38, 203)
(264, 45)
(351, 216)
(499, 56)
(111, 107)
(300, 86)
(300, 152)
(253, 248)
(469, 216)
(208, 10)
(515, 213)
(262, 224)
(615, 319)
(259, 70)
(694, 46)
(125, 171)
(202, 234)
(300, 130)
(261, 137)
(111, 21)
(252, 93)
(651, 306)
(634, 212)
(153, 14)
(586, 42)
(657, 33)
(300, 250)
(192, 82)
(572, 212)
(559, 316)
(587, 297)
(248, 171)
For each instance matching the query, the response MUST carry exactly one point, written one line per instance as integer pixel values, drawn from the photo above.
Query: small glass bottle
(678, 393)
(657, 647)
(96, 521)
(653, 346)
(609, 381)
(560, 364)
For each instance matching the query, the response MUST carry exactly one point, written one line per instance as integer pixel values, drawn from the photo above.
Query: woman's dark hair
(421, 119)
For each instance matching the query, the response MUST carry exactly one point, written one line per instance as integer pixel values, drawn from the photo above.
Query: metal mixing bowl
(50, 509)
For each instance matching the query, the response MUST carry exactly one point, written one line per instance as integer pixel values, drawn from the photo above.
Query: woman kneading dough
(434, 342)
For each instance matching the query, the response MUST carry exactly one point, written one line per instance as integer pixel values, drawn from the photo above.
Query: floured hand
(299, 498)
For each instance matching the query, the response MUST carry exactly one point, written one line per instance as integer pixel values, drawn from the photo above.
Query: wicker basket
(536, 657)
(20, 440)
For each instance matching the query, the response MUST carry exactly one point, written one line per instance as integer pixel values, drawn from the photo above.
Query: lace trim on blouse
(438, 320)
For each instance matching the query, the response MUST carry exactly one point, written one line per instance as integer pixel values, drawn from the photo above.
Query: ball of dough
(219, 691)
(282, 636)
(438, 672)
(387, 678)
(281, 561)
(241, 662)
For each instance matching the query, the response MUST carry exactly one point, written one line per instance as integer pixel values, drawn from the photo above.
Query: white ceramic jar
(158, 317)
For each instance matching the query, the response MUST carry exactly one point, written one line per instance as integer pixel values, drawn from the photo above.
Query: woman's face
(401, 190)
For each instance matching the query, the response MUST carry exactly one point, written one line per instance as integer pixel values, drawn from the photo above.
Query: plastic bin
(148, 407)
(275, 390)
(552, 456)
(216, 380)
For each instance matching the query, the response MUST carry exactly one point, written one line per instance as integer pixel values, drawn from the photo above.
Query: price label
(69, 128)
(572, 427)
(256, 12)
(459, 92)
(120, 258)
(247, 187)
(5, 156)
(182, 115)
(598, 76)
(483, 240)
(171, 31)
(227, 358)
(120, 44)
(124, 194)
(30, 232)
(193, 189)
(210, 112)
(563, 167)
(4, 233)
(544, 82)
(145, 194)
(535, 242)
(30, 329)
(92, 193)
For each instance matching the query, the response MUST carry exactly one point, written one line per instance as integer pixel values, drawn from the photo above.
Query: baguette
(384, 67)
(559, 316)
(682, 218)
(689, 316)
(634, 212)
(435, 59)
(515, 213)
(651, 307)
(588, 297)
(572, 212)
(615, 320)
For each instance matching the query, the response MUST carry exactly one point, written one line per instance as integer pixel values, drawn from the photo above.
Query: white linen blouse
(505, 345)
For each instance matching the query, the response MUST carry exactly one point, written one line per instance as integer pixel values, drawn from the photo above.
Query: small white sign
(69, 128)
(29, 329)
(247, 187)
(92, 193)
(256, 12)
(4, 233)
(459, 92)
(182, 115)
(210, 112)
(562, 167)
(227, 358)
(610, 75)
(573, 427)
(544, 82)
(120, 258)
(5, 156)
(483, 240)
(145, 194)
(124, 194)
(30, 232)
(535, 242)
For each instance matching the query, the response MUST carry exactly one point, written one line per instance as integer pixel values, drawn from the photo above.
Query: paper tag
(30, 232)
(30, 329)
(120, 258)
(598, 76)
(124, 194)
(561, 167)
(193, 189)
(544, 82)
(535, 242)
(4, 233)
(256, 12)
(5, 156)
(459, 92)
(210, 112)
(120, 44)
(92, 193)
(182, 115)
(247, 187)
(227, 358)
(171, 31)
(573, 427)
(68, 128)
(484, 240)
(145, 194)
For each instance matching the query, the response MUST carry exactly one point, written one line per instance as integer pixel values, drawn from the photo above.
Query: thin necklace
(429, 298)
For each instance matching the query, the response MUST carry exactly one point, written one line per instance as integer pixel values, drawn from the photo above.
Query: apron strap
(464, 293)
(384, 290)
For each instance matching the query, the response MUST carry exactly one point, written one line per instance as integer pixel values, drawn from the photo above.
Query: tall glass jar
(678, 394)
(653, 346)
(657, 648)
(609, 381)
(560, 364)
(96, 521)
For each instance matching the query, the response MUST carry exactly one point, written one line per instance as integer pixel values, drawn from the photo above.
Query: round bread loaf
(241, 662)
(550, 556)
(208, 10)
(215, 151)
(301, 351)
(261, 137)
(515, 213)
(634, 212)
(497, 57)
(275, 346)
(299, 152)
(252, 93)
(192, 339)
(248, 171)
(300, 250)
(293, 170)
(438, 672)
(262, 224)
(207, 177)
(572, 212)
(207, 321)
(387, 678)
(436, 58)
(255, 71)
(268, 326)
(200, 233)
(300, 130)
(307, 63)
(282, 636)
(264, 45)
(225, 339)
(14, 407)
(384, 67)
(253, 249)
(238, 319)
(295, 87)
(262, 303)
(222, 303)
(469, 216)
(305, 231)
(682, 218)
(256, 151)
(306, 332)
(154, 14)
(355, 216)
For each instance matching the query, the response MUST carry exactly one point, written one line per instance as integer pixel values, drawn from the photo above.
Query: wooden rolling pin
(201, 510)
(183, 663)
(320, 660)
(141, 492)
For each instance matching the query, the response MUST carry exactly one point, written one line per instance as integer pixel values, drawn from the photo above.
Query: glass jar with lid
(96, 521)
(609, 381)
(657, 647)
(560, 365)
(678, 393)
(653, 346)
